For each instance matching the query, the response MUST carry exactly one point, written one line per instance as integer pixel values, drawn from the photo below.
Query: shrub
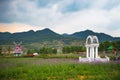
(112, 58)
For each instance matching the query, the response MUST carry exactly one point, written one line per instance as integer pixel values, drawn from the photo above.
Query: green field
(56, 69)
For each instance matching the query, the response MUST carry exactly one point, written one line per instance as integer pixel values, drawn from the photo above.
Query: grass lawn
(56, 69)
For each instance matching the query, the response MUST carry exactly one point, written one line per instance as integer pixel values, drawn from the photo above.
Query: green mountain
(47, 37)
(29, 37)
(101, 36)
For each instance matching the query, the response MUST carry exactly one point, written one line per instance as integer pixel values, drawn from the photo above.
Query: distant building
(59, 50)
(17, 50)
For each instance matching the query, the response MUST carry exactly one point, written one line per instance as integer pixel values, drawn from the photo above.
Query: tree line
(104, 45)
(73, 49)
(42, 50)
(66, 49)
(6, 49)
(76, 49)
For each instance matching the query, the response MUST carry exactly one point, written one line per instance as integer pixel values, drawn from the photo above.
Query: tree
(36, 51)
(101, 47)
(104, 45)
(118, 45)
(0, 50)
(63, 49)
(54, 51)
(73, 49)
(30, 51)
(9, 49)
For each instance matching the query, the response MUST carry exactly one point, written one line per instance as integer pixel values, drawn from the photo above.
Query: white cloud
(97, 15)
(95, 18)
(17, 27)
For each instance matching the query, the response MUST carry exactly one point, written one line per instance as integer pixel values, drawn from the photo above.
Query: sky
(61, 16)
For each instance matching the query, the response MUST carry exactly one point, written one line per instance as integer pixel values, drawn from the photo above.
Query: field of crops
(56, 69)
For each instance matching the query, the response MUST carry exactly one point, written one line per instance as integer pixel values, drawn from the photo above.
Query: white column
(90, 54)
(87, 52)
(93, 53)
(96, 52)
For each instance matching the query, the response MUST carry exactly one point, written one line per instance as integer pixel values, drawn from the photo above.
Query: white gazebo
(92, 45)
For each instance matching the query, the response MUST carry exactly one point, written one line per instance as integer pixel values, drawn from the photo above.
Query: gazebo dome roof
(91, 39)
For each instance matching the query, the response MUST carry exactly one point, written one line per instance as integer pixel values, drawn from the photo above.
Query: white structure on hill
(92, 45)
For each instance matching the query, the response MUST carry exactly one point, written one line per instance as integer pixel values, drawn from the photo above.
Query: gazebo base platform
(94, 59)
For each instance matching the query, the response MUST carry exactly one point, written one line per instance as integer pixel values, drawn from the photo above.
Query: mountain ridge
(101, 36)
(49, 35)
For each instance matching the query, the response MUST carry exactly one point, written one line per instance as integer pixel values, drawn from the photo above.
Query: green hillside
(49, 38)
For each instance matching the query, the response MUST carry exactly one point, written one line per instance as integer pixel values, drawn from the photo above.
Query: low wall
(84, 59)
(94, 60)
(102, 59)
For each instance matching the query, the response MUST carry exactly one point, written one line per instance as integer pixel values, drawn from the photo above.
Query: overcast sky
(61, 16)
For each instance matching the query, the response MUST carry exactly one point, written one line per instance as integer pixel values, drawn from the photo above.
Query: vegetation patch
(56, 69)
